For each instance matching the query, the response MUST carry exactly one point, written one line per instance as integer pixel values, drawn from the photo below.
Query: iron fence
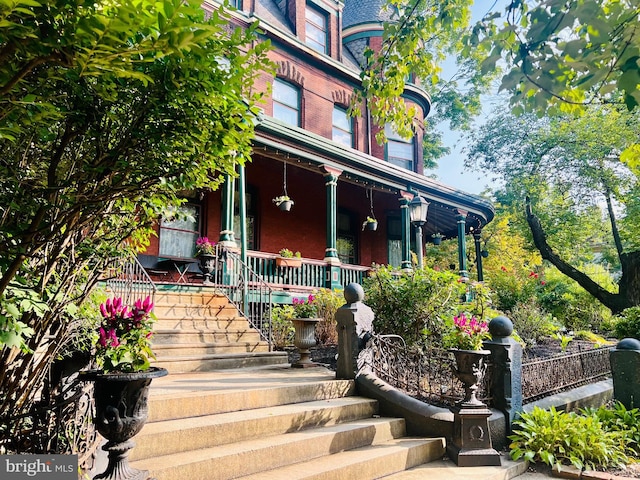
(544, 377)
(426, 375)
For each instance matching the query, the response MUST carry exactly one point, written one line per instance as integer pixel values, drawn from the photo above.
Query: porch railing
(130, 280)
(311, 275)
(541, 378)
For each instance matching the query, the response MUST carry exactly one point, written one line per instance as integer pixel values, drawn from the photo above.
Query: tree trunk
(629, 285)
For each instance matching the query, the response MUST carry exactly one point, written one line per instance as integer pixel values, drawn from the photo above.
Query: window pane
(342, 128)
(285, 114)
(178, 236)
(286, 103)
(285, 93)
(395, 252)
(315, 17)
(316, 30)
(341, 119)
(342, 137)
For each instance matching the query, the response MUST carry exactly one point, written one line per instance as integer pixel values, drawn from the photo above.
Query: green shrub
(412, 304)
(628, 323)
(531, 323)
(282, 331)
(560, 438)
(328, 302)
(620, 419)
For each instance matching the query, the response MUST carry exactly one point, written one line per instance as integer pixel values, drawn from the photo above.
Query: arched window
(286, 102)
(342, 127)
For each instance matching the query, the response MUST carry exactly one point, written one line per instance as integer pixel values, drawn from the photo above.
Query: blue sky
(451, 169)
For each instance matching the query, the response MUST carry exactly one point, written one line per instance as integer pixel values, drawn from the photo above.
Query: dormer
(316, 23)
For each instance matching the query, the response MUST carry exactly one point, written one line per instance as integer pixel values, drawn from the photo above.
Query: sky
(451, 169)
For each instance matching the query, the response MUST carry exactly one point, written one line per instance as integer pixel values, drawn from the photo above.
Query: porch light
(418, 214)
(418, 210)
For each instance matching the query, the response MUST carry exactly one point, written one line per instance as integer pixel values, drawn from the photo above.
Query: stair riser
(208, 364)
(238, 463)
(179, 337)
(195, 311)
(191, 325)
(164, 351)
(209, 403)
(204, 436)
(197, 298)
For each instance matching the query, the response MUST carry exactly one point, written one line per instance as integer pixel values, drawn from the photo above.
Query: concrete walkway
(246, 379)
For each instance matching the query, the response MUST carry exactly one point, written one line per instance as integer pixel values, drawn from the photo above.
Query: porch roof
(309, 150)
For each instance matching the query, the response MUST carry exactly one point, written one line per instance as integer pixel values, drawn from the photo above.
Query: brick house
(329, 164)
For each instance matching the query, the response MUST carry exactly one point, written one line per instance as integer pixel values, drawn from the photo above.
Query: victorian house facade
(307, 148)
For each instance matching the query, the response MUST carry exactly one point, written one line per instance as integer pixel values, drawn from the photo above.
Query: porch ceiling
(277, 140)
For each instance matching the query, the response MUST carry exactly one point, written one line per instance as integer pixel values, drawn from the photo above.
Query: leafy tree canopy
(570, 171)
(109, 111)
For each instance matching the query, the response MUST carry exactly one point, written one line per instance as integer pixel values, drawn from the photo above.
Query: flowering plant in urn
(305, 307)
(124, 336)
(204, 246)
(467, 334)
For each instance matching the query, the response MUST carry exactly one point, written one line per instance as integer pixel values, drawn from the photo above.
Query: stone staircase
(201, 331)
(249, 425)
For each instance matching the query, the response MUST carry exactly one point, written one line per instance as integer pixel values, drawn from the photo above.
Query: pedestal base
(471, 444)
(304, 365)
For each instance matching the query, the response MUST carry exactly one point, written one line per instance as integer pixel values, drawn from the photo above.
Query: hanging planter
(283, 202)
(437, 238)
(370, 224)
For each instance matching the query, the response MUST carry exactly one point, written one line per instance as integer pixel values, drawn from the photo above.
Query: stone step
(188, 434)
(266, 453)
(364, 463)
(206, 363)
(243, 397)
(195, 336)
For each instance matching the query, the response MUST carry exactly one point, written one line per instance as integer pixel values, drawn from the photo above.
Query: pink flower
(542, 282)
(503, 268)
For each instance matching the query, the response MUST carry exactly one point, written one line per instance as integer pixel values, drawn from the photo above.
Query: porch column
(332, 279)
(461, 217)
(226, 234)
(476, 241)
(405, 225)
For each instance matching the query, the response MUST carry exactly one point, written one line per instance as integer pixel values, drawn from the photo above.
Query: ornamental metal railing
(248, 291)
(548, 376)
(129, 279)
(426, 375)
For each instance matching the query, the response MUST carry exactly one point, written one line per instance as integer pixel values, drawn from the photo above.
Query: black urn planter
(121, 412)
(471, 444)
(207, 264)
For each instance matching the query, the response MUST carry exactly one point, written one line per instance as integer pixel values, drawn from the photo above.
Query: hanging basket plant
(437, 238)
(370, 224)
(283, 202)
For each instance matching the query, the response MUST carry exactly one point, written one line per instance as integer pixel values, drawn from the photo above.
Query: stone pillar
(355, 325)
(476, 241)
(506, 380)
(461, 218)
(405, 222)
(625, 368)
